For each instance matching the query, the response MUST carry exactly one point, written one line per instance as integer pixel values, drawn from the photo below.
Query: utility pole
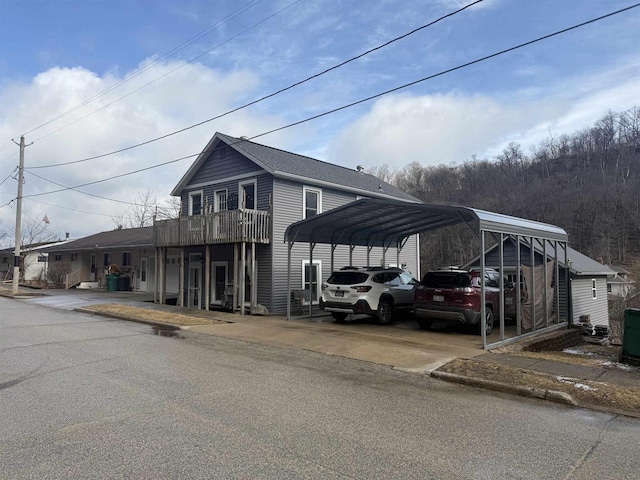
(16, 254)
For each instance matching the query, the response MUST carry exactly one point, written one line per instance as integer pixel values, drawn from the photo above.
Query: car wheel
(489, 327)
(339, 316)
(385, 312)
(424, 323)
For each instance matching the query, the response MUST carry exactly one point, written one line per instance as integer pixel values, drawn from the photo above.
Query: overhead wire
(246, 105)
(167, 73)
(348, 105)
(166, 55)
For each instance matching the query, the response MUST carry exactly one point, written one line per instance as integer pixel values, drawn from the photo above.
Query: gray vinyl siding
(585, 304)
(218, 167)
(263, 195)
(287, 209)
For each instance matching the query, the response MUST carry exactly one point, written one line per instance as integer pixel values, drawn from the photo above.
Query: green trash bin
(112, 282)
(631, 340)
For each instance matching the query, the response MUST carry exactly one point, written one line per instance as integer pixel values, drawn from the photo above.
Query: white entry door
(220, 276)
(144, 275)
(195, 282)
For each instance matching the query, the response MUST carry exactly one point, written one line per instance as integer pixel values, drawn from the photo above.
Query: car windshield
(347, 278)
(446, 280)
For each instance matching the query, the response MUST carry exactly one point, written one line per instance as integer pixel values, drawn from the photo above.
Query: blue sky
(56, 54)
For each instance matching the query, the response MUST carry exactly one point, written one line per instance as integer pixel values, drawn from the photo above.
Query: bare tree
(140, 214)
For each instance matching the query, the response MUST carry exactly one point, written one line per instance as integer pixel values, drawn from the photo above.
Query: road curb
(531, 392)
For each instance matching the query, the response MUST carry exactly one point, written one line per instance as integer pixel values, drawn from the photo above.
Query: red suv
(454, 296)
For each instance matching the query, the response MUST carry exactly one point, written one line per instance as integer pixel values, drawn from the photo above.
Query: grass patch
(146, 314)
(586, 393)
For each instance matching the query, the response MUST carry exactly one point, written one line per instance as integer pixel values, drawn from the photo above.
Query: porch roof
(124, 238)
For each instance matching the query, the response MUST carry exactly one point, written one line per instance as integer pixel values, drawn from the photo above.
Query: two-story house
(238, 198)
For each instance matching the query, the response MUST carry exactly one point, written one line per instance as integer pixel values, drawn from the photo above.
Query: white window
(195, 203)
(247, 193)
(311, 278)
(220, 204)
(594, 290)
(311, 201)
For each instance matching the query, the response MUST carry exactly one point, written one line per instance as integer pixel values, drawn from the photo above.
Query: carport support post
(532, 260)
(501, 266)
(557, 282)
(351, 247)
(483, 305)
(518, 290)
(333, 249)
(369, 255)
(289, 246)
(311, 245)
(567, 273)
(544, 283)
(398, 254)
(207, 276)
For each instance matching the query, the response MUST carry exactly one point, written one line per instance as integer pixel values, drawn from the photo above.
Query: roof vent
(244, 138)
(360, 168)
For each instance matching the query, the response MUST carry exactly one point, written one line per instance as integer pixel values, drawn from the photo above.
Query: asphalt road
(89, 397)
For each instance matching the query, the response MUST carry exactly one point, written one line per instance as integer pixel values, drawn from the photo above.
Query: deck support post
(181, 279)
(243, 267)
(207, 276)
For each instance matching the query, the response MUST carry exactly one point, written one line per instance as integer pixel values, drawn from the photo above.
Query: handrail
(229, 226)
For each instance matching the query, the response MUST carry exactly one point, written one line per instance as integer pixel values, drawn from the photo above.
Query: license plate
(339, 294)
(438, 298)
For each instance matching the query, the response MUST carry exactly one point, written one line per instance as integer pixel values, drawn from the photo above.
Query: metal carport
(389, 223)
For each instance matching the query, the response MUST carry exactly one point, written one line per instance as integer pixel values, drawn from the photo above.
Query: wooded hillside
(587, 183)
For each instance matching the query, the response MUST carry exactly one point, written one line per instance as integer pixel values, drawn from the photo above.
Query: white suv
(375, 291)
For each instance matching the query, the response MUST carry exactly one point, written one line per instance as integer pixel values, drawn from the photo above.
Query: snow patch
(582, 386)
(577, 352)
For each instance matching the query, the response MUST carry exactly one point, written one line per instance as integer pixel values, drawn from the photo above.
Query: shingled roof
(283, 164)
(124, 238)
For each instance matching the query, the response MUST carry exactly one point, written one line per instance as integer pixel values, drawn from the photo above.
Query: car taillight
(362, 288)
(324, 286)
(464, 290)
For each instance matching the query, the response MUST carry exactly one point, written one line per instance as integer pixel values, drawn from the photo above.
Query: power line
(342, 107)
(266, 96)
(106, 179)
(9, 176)
(166, 74)
(74, 210)
(166, 55)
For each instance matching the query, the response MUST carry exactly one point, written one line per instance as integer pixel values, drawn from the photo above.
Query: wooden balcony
(229, 226)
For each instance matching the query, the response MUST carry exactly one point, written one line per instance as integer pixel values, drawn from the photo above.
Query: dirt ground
(587, 393)
(145, 314)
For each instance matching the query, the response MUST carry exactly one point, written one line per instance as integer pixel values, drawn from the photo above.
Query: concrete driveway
(77, 298)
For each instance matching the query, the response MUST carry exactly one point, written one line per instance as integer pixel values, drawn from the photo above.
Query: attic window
(312, 201)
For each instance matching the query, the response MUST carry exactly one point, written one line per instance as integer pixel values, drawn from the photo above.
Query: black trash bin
(124, 283)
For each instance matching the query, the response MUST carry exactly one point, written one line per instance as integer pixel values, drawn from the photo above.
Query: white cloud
(450, 128)
(190, 95)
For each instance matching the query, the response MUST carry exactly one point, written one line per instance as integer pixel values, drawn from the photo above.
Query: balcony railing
(229, 226)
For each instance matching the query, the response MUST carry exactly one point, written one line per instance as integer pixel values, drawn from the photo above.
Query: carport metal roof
(387, 223)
